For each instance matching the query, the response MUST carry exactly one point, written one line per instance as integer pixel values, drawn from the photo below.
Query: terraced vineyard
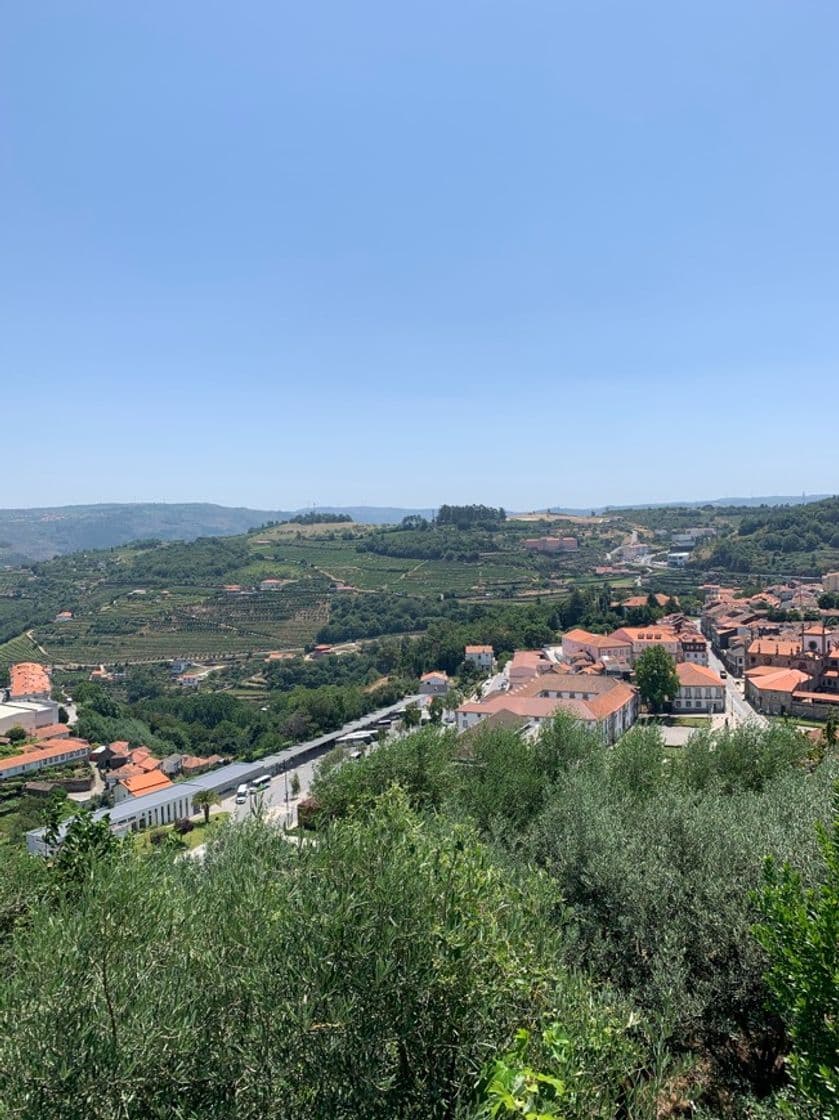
(144, 603)
(21, 648)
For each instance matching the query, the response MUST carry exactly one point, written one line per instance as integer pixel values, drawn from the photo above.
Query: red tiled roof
(817, 697)
(690, 675)
(146, 783)
(782, 680)
(776, 647)
(599, 641)
(479, 649)
(51, 749)
(27, 678)
(51, 731)
(71, 740)
(656, 634)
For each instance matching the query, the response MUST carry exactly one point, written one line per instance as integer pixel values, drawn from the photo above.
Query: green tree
(453, 699)
(435, 709)
(830, 731)
(63, 714)
(16, 735)
(800, 932)
(204, 800)
(295, 784)
(655, 672)
(412, 715)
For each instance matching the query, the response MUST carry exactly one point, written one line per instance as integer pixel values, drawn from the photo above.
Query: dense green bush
(373, 974)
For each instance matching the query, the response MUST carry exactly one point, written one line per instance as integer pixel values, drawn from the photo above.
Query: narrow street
(737, 709)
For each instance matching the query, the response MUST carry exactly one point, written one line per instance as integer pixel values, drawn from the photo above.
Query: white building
(700, 689)
(51, 753)
(435, 683)
(28, 714)
(480, 656)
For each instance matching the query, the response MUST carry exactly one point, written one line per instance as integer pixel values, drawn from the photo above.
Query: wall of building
(29, 715)
(696, 698)
(767, 702)
(34, 761)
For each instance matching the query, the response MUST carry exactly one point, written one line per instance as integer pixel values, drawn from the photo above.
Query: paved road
(737, 709)
(276, 800)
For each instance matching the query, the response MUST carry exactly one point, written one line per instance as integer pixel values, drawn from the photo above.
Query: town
(746, 658)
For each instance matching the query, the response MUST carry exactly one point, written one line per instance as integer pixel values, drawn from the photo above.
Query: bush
(372, 974)
(183, 825)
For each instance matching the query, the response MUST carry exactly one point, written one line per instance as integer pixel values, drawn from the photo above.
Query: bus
(260, 784)
(242, 794)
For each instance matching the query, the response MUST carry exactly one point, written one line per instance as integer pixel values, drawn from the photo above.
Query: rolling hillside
(203, 598)
(40, 534)
(801, 540)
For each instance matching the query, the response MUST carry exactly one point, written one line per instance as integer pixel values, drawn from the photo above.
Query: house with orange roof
(611, 649)
(482, 657)
(551, 544)
(641, 638)
(191, 765)
(769, 689)
(526, 664)
(700, 689)
(140, 784)
(435, 683)
(29, 681)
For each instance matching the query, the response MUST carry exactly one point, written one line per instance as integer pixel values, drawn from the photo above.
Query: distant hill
(801, 539)
(40, 534)
(742, 503)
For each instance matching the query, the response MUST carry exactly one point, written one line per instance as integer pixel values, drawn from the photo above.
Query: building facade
(700, 689)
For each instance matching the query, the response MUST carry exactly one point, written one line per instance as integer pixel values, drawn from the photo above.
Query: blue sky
(525, 253)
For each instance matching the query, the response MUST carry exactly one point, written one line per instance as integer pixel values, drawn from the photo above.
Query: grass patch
(194, 839)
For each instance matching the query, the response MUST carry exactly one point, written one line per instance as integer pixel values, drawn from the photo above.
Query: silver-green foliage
(372, 973)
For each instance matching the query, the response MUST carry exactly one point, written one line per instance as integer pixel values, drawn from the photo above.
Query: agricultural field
(21, 648)
(189, 625)
(147, 602)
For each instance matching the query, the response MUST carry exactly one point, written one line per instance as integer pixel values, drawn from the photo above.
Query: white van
(242, 794)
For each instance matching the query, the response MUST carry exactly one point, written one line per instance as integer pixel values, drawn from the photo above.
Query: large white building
(28, 714)
(602, 703)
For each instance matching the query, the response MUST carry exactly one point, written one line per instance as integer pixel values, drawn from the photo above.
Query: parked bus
(260, 784)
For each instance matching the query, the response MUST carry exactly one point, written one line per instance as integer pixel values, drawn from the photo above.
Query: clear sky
(528, 252)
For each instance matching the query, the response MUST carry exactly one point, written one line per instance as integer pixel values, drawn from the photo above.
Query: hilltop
(40, 534)
(28, 535)
(210, 598)
(800, 539)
